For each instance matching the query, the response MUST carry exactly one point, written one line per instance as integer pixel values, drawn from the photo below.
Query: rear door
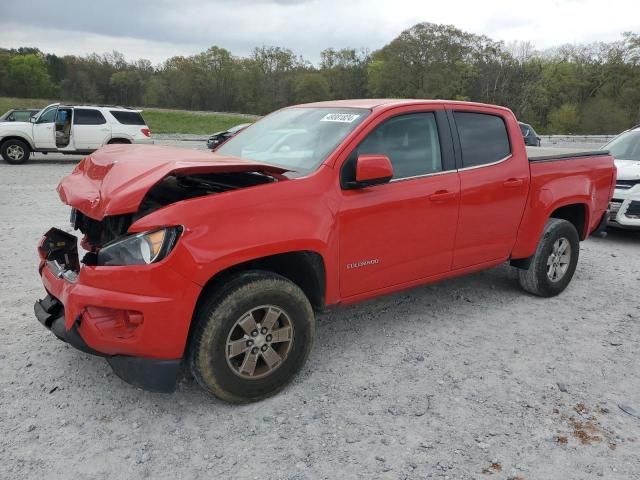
(494, 182)
(403, 230)
(90, 129)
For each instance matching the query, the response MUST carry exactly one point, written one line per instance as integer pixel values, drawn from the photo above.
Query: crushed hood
(115, 179)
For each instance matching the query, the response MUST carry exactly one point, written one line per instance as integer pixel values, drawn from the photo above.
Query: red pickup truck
(217, 261)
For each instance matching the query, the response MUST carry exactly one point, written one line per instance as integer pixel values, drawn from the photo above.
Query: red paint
(372, 240)
(114, 179)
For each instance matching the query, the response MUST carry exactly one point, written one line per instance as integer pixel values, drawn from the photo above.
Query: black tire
(15, 151)
(216, 320)
(537, 279)
(118, 141)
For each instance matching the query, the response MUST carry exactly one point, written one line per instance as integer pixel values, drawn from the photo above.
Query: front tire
(15, 152)
(555, 260)
(251, 337)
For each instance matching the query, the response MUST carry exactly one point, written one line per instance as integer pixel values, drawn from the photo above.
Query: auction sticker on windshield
(339, 117)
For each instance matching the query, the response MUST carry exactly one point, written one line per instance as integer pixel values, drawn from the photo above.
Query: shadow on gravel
(619, 235)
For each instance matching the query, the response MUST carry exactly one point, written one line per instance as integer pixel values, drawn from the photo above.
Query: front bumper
(156, 375)
(624, 209)
(137, 317)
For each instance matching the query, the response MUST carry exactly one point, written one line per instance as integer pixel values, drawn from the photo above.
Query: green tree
(28, 76)
(345, 71)
(311, 87)
(603, 116)
(564, 120)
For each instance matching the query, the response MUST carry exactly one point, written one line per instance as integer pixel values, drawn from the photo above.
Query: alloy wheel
(15, 152)
(559, 259)
(259, 342)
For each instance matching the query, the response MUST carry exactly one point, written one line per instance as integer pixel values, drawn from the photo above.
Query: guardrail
(595, 139)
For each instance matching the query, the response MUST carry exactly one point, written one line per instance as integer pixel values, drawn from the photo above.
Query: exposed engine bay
(171, 189)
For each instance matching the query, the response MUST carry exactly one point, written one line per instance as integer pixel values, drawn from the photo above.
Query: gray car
(531, 138)
(18, 115)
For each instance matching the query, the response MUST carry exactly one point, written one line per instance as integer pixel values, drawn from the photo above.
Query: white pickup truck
(71, 130)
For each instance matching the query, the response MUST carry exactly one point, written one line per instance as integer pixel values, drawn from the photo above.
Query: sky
(159, 29)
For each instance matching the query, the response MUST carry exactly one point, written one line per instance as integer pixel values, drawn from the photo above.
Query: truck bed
(547, 154)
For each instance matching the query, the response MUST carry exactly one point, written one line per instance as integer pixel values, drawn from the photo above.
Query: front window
(410, 141)
(625, 146)
(49, 115)
(298, 138)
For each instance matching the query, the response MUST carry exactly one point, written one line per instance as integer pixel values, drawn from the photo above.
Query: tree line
(586, 88)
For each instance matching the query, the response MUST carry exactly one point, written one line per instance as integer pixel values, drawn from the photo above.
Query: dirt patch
(493, 468)
(585, 432)
(586, 429)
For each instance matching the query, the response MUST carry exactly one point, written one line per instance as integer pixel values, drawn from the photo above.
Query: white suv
(71, 130)
(624, 209)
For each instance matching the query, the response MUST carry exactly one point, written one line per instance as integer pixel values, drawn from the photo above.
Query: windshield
(625, 146)
(298, 139)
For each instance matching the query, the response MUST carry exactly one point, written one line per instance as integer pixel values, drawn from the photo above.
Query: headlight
(139, 249)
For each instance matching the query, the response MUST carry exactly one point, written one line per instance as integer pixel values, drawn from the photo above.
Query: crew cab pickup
(71, 130)
(217, 261)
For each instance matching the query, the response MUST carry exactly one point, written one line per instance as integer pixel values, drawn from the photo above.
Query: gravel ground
(469, 378)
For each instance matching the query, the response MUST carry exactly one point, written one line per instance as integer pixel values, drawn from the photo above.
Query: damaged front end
(171, 189)
(119, 300)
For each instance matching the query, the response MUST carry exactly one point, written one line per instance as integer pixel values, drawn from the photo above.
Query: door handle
(442, 196)
(513, 182)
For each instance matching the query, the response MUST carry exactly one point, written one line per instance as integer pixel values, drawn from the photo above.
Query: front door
(403, 230)
(44, 134)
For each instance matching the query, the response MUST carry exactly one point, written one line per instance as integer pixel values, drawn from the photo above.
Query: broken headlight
(140, 248)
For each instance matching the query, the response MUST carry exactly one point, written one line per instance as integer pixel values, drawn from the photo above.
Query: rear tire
(15, 152)
(116, 141)
(251, 337)
(555, 260)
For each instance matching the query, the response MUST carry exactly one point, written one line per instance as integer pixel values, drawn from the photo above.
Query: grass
(182, 121)
(7, 103)
(159, 120)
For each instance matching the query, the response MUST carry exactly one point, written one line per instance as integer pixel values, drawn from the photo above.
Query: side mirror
(372, 169)
(32, 119)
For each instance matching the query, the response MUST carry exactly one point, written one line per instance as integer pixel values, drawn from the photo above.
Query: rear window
(483, 138)
(128, 118)
(85, 116)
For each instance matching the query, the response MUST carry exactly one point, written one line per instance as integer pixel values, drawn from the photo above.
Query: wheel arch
(576, 214)
(17, 137)
(305, 268)
(119, 139)
(575, 210)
